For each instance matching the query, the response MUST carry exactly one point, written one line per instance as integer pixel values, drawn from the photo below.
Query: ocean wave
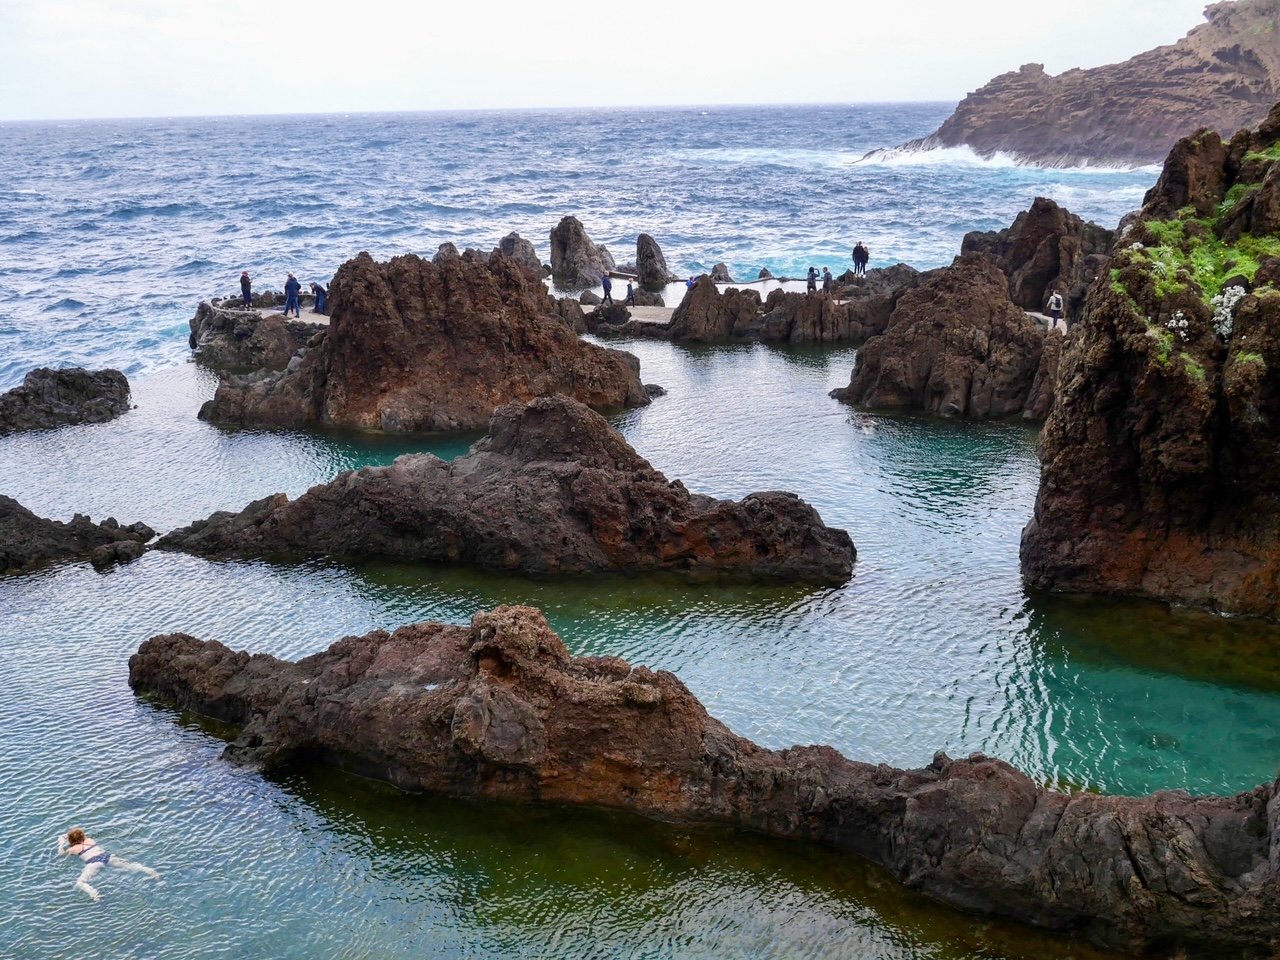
(967, 156)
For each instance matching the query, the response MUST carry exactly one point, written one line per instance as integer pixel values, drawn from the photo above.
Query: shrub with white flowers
(1178, 324)
(1224, 310)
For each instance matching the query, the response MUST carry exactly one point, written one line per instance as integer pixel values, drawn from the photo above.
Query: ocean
(112, 231)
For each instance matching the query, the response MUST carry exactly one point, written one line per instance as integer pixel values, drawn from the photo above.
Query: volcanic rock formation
(56, 398)
(1047, 248)
(1224, 75)
(28, 541)
(501, 710)
(519, 250)
(1160, 462)
(575, 260)
(419, 346)
(651, 265)
(955, 346)
(552, 489)
(227, 338)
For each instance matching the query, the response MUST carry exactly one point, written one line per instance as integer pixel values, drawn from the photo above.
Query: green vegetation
(1184, 254)
(1251, 358)
(1237, 193)
(1270, 153)
(1164, 343)
(1193, 367)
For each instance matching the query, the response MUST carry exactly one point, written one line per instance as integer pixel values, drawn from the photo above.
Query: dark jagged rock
(645, 298)
(552, 489)
(956, 346)
(575, 260)
(57, 398)
(1160, 470)
(1224, 75)
(227, 338)
(651, 265)
(764, 274)
(570, 311)
(446, 251)
(720, 273)
(519, 250)
(611, 315)
(589, 299)
(1047, 248)
(418, 346)
(706, 315)
(501, 710)
(28, 541)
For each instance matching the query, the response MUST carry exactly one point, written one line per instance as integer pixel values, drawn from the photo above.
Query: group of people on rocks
(292, 289)
(606, 280)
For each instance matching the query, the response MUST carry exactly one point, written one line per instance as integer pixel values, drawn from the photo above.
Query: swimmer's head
(75, 836)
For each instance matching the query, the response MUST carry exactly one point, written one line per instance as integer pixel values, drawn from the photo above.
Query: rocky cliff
(502, 710)
(57, 398)
(956, 346)
(575, 260)
(552, 489)
(28, 541)
(1160, 461)
(228, 338)
(1224, 75)
(414, 345)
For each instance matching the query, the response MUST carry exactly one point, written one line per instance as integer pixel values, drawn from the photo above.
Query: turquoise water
(933, 645)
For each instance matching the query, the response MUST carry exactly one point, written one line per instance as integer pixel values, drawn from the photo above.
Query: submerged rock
(501, 710)
(28, 541)
(551, 489)
(955, 346)
(227, 338)
(575, 260)
(418, 346)
(57, 398)
(1160, 463)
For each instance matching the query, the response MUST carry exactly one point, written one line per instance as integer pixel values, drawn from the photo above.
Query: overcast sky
(131, 58)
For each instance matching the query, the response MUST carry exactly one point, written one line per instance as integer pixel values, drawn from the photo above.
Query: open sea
(112, 231)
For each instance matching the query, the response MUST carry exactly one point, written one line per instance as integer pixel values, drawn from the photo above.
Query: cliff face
(1161, 458)
(1224, 75)
(502, 710)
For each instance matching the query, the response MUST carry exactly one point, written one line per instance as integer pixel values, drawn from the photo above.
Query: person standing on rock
(631, 293)
(813, 279)
(321, 294)
(860, 257)
(608, 288)
(291, 290)
(828, 281)
(1055, 308)
(76, 844)
(245, 286)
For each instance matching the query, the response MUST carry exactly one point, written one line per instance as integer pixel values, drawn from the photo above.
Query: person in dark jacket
(291, 290)
(321, 295)
(608, 289)
(245, 286)
(631, 294)
(828, 281)
(813, 279)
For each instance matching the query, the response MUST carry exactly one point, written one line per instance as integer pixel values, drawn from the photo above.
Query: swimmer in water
(76, 844)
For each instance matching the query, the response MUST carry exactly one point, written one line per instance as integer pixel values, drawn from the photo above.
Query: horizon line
(458, 110)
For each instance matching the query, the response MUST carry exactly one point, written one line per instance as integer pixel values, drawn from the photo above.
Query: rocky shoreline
(58, 398)
(28, 541)
(552, 489)
(501, 710)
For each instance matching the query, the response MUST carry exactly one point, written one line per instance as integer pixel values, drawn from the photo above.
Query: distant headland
(1224, 75)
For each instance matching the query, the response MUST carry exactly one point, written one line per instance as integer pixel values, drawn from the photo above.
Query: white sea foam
(967, 156)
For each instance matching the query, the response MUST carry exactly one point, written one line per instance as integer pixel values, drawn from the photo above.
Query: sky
(67, 59)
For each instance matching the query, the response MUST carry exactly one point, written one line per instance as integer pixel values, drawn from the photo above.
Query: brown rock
(1047, 248)
(501, 710)
(55, 398)
(955, 346)
(552, 489)
(1223, 75)
(706, 315)
(575, 260)
(417, 346)
(232, 339)
(519, 250)
(28, 541)
(651, 265)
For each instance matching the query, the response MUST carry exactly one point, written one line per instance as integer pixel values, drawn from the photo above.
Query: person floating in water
(291, 290)
(813, 279)
(828, 281)
(76, 844)
(631, 293)
(1055, 308)
(321, 294)
(245, 286)
(608, 288)
(860, 257)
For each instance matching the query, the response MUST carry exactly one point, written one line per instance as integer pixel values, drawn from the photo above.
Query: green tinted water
(933, 645)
